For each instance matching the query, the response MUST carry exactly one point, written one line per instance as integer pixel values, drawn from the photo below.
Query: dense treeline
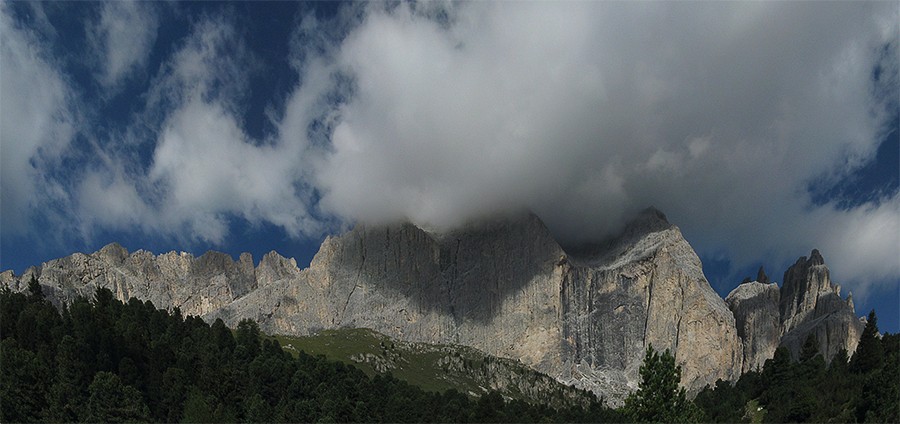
(864, 389)
(101, 360)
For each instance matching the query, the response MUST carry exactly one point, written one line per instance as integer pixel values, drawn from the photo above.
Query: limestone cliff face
(755, 307)
(647, 287)
(195, 285)
(807, 303)
(811, 304)
(505, 287)
(584, 316)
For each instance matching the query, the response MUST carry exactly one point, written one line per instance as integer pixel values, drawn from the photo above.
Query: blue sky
(762, 129)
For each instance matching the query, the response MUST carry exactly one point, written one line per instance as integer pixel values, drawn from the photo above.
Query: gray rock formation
(197, 286)
(505, 287)
(755, 308)
(761, 276)
(811, 304)
(807, 304)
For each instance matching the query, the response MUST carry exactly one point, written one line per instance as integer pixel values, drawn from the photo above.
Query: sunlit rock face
(505, 286)
(807, 303)
(195, 285)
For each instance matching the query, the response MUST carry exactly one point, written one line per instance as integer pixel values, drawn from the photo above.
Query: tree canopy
(867, 389)
(659, 397)
(101, 360)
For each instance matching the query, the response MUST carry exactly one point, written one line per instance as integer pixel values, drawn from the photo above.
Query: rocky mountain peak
(274, 267)
(761, 276)
(640, 237)
(808, 303)
(804, 283)
(520, 226)
(649, 220)
(756, 316)
(815, 258)
(114, 253)
(213, 262)
(812, 305)
(502, 285)
(750, 290)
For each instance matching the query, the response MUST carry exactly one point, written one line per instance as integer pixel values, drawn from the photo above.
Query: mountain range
(505, 286)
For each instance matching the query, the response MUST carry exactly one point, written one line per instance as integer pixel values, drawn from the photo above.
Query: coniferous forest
(101, 360)
(865, 388)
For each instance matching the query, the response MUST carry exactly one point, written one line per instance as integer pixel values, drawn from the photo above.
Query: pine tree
(175, 386)
(22, 387)
(66, 396)
(659, 397)
(197, 408)
(247, 336)
(812, 364)
(111, 401)
(35, 292)
(869, 352)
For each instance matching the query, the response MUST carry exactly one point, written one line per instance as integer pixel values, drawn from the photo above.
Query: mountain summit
(807, 304)
(504, 286)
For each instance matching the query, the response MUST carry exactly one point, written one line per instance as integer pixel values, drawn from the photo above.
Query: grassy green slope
(435, 367)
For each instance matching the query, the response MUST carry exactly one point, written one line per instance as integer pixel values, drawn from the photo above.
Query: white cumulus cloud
(721, 115)
(204, 170)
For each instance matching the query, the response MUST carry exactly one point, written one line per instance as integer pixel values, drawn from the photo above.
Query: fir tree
(66, 394)
(659, 397)
(111, 401)
(869, 352)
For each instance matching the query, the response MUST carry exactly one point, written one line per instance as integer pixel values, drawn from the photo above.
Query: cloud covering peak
(730, 117)
(720, 115)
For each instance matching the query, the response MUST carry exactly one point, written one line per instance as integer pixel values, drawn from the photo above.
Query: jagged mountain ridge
(505, 287)
(807, 303)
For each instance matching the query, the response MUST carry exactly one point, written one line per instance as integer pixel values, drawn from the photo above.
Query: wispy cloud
(36, 124)
(122, 39)
(204, 170)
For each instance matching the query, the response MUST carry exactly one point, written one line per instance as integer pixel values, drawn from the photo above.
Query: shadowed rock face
(508, 288)
(755, 308)
(807, 304)
(504, 286)
(811, 304)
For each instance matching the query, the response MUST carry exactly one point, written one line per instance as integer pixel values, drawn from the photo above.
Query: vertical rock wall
(808, 303)
(503, 286)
